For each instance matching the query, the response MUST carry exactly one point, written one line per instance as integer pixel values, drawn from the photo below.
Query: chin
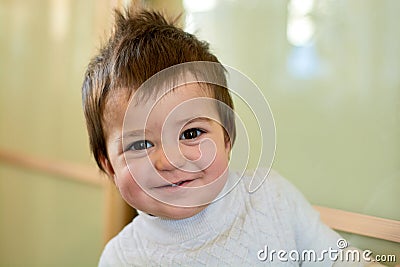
(179, 213)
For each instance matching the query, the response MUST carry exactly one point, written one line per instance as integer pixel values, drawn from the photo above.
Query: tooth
(173, 185)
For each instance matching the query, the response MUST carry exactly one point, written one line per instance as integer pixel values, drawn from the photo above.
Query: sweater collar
(209, 222)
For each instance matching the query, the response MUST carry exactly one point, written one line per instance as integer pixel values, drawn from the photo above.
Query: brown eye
(191, 134)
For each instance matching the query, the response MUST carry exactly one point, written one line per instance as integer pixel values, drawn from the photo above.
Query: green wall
(44, 49)
(337, 130)
(45, 221)
(337, 115)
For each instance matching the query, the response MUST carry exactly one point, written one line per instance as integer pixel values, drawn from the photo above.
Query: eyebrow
(133, 133)
(194, 119)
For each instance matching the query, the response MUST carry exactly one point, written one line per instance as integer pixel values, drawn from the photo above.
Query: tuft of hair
(143, 42)
(149, 41)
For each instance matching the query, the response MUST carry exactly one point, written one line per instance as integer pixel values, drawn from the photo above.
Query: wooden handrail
(360, 224)
(115, 209)
(59, 168)
(337, 219)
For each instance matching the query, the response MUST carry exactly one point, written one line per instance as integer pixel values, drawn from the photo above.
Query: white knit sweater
(237, 230)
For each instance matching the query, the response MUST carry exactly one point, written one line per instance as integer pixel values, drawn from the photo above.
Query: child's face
(168, 158)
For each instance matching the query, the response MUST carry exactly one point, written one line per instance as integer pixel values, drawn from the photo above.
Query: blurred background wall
(329, 69)
(44, 49)
(331, 73)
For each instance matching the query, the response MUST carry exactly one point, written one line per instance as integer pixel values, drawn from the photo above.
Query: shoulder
(278, 202)
(118, 249)
(274, 204)
(270, 186)
(287, 206)
(276, 193)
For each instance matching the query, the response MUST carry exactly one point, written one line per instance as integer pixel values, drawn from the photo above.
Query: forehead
(186, 100)
(165, 82)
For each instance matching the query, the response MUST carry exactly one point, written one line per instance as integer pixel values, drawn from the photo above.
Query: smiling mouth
(178, 184)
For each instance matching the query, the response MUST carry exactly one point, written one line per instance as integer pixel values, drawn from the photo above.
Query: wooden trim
(67, 170)
(117, 213)
(360, 224)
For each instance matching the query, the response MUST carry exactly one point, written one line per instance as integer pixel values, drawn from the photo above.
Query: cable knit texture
(231, 231)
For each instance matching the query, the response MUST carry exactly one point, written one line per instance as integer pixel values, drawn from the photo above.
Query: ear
(228, 145)
(105, 163)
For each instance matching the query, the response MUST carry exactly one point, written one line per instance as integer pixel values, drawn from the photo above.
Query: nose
(168, 159)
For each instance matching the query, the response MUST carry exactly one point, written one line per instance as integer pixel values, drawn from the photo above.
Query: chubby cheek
(130, 190)
(215, 157)
(219, 166)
